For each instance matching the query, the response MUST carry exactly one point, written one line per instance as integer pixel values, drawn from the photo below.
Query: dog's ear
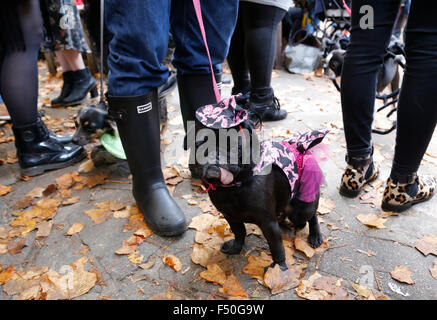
(307, 140)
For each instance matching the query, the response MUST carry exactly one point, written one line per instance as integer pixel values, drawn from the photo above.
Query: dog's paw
(231, 247)
(315, 240)
(282, 266)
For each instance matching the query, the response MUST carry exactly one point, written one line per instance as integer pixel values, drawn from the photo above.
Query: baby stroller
(335, 41)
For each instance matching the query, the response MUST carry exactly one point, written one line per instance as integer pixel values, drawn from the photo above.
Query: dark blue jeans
(417, 107)
(139, 32)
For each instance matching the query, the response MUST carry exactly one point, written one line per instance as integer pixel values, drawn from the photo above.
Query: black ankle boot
(266, 105)
(64, 139)
(137, 120)
(195, 91)
(82, 83)
(245, 96)
(66, 88)
(37, 152)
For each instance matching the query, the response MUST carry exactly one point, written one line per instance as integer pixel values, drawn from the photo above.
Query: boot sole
(401, 208)
(354, 193)
(37, 170)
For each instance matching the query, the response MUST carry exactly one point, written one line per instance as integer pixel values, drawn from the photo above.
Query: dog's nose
(212, 172)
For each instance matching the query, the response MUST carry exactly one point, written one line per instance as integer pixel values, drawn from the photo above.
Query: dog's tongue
(226, 176)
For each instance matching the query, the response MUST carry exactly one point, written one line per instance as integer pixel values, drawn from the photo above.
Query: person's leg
(19, 69)
(70, 60)
(37, 148)
(236, 59)
(358, 89)
(417, 112)
(260, 27)
(139, 32)
(190, 57)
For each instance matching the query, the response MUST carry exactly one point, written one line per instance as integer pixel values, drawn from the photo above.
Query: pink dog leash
(198, 10)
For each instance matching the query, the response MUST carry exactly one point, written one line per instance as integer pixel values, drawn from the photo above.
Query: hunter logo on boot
(144, 108)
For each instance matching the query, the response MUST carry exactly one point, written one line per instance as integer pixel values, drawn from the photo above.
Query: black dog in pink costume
(284, 180)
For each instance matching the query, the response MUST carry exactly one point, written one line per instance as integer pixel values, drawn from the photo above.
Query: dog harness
(296, 160)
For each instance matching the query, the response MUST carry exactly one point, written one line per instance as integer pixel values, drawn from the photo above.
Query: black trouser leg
(19, 69)
(236, 59)
(417, 108)
(260, 24)
(358, 81)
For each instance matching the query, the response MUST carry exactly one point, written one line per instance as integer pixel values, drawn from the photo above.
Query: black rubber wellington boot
(66, 88)
(37, 152)
(137, 119)
(195, 91)
(82, 83)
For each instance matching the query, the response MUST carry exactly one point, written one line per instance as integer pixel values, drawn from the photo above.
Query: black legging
(19, 69)
(417, 107)
(253, 48)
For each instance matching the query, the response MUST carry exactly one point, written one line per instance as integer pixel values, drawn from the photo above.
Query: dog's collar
(214, 186)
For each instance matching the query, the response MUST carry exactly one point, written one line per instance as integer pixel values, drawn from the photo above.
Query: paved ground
(356, 254)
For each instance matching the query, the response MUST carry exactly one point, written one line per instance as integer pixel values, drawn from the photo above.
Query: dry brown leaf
(86, 166)
(372, 220)
(280, 281)
(44, 229)
(174, 181)
(48, 203)
(23, 203)
(173, 262)
(75, 228)
(95, 180)
(325, 206)
(3, 249)
(402, 274)
(256, 265)
(318, 287)
(5, 189)
(110, 205)
(303, 246)
(205, 255)
(206, 206)
(233, 288)
(201, 222)
(75, 283)
(65, 181)
(135, 258)
(427, 245)
(362, 291)
(136, 221)
(6, 274)
(36, 192)
(49, 190)
(214, 274)
(170, 173)
(147, 265)
(70, 201)
(192, 202)
(98, 215)
(14, 247)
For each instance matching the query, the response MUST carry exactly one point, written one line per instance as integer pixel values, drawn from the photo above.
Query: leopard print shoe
(356, 176)
(399, 197)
